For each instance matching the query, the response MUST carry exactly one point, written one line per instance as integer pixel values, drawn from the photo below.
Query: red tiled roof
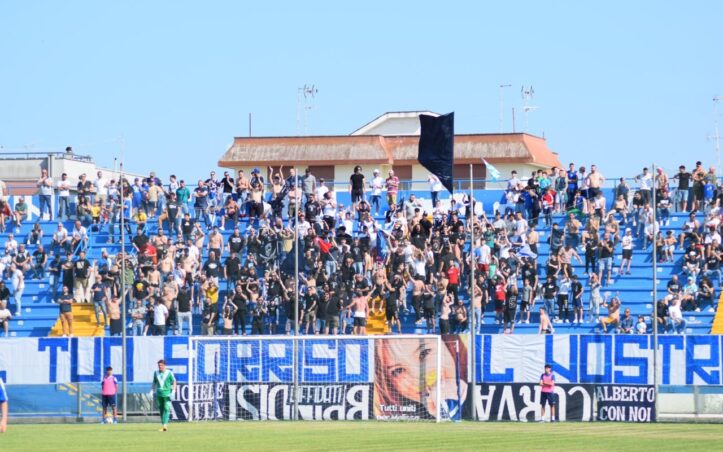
(313, 150)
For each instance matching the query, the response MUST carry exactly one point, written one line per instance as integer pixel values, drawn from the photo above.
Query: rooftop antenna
(502, 106)
(716, 136)
(528, 93)
(304, 104)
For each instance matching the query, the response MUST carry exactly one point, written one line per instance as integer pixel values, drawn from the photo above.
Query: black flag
(436, 147)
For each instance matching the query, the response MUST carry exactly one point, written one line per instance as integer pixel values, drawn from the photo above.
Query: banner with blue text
(576, 359)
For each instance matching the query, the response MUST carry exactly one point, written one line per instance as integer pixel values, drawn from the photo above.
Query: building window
(325, 172)
(461, 176)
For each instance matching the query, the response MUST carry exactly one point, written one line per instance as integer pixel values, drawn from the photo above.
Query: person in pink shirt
(547, 382)
(109, 389)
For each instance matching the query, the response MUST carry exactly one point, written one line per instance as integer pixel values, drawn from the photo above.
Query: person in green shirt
(183, 194)
(164, 385)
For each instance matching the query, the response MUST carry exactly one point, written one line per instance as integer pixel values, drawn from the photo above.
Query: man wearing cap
(376, 185)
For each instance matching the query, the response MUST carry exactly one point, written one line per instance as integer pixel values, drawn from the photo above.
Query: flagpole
(472, 285)
(655, 293)
(124, 335)
(296, 295)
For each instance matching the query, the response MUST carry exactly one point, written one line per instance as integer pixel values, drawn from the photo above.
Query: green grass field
(322, 436)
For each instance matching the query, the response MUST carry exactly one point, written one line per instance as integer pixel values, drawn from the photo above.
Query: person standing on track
(3, 407)
(164, 385)
(109, 389)
(547, 396)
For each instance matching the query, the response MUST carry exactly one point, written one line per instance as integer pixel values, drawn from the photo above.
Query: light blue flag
(491, 170)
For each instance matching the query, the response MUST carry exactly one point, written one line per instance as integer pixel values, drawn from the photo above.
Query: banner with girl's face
(407, 385)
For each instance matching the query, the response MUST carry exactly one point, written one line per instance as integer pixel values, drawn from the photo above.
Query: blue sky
(620, 84)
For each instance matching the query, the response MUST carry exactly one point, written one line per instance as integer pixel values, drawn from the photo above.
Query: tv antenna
(304, 104)
(716, 136)
(528, 93)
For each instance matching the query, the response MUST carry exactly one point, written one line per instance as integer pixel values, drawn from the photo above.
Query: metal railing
(24, 155)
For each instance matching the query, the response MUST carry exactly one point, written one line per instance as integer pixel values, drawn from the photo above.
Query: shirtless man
(165, 267)
(478, 307)
(215, 242)
(361, 311)
(613, 317)
(154, 279)
(417, 293)
(545, 323)
(169, 293)
(379, 279)
(116, 324)
(229, 310)
(160, 241)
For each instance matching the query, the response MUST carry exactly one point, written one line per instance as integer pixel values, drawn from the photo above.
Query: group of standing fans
(382, 255)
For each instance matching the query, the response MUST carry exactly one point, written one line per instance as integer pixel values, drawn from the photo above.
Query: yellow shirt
(140, 217)
(212, 294)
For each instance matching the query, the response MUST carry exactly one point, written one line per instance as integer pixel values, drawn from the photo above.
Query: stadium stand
(39, 313)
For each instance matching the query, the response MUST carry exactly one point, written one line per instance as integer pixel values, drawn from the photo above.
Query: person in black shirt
(81, 273)
(681, 194)
(312, 209)
(357, 186)
(4, 292)
(183, 301)
(333, 310)
(311, 304)
(227, 184)
(712, 266)
(187, 227)
(170, 214)
(257, 317)
(239, 300)
(55, 275)
(40, 260)
(232, 270)
(662, 316)
(605, 268)
(212, 267)
(428, 306)
(674, 286)
(323, 303)
(549, 294)
(140, 240)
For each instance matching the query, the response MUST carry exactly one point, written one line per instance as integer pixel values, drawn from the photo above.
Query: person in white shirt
(435, 186)
(377, 185)
(64, 197)
(160, 315)
(644, 181)
(17, 281)
(45, 185)
(5, 317)
(304, 225)
(321, 189)
(513, 182)
(11, 245)
(627, 245)
(101, 188)
(678, 323)
(79, 235)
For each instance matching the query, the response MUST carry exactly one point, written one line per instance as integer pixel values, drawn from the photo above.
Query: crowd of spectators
(380, 255)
